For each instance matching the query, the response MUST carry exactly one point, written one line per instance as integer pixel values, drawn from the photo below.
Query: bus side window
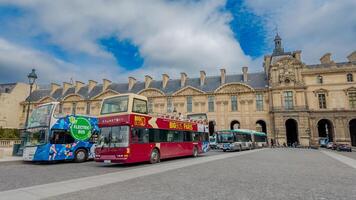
(139, 135)
(178, 136)
(170, 136)
(154, 135)
(61, 137)
(187, 136)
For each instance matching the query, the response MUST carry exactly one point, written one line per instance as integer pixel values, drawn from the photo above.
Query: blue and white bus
(51, 136)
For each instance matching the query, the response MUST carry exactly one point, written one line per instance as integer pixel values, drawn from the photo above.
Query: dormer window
(319, 79)
(350, 78)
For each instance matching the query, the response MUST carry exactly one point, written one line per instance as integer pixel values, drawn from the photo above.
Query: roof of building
(255, 80)
(7, 87)
(339, 64)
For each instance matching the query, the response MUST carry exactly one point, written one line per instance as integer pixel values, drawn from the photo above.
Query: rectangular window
(259, 102)
(187, 136)
(322, 101)
(178, 136)
(189, 104)
(211, 103)
(139, 106)
(169, 105)
(234, 103)
(352, 99)
(139, 135)
(288, 100)
(115, 105)
(150, 105)
(61, 137)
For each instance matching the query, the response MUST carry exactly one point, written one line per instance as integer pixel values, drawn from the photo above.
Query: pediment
(321, 91)
(73, 97)
(46, 99)
(106, 93)
(189, 90)
(234, 88)
(151, 92)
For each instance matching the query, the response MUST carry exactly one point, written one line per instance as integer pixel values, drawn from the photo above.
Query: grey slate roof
(255, 80)
(7, 87)
(339, 64)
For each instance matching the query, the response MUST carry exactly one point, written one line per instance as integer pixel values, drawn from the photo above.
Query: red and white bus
(129, 134)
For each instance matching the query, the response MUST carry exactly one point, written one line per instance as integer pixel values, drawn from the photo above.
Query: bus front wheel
(80, 155)
(154, 158)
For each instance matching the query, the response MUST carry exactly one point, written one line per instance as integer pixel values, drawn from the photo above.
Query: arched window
(319, 79)
(350, 78)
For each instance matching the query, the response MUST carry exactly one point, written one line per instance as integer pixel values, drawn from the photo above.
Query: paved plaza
(279, 173)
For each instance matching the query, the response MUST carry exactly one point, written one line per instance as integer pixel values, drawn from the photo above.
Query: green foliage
(6, 133)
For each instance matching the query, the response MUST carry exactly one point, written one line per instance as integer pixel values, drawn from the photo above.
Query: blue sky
(95, 40)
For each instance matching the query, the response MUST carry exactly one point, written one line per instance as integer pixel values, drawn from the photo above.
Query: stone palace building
(289, 100)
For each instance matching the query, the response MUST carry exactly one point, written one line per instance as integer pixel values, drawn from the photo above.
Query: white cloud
(17, 61)
(171, 35)
(315, 27)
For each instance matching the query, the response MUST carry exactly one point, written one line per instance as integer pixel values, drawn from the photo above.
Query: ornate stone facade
(292, 101)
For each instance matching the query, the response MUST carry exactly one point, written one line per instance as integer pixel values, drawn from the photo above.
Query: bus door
(140, 147)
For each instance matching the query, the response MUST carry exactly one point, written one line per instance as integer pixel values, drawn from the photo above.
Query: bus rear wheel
(195, 152)
(81, 155)
(155, 157)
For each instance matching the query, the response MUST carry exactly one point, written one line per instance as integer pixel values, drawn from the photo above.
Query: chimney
(183, 79)
(297, 55)
(326, 59)
(106, 84)
(54, 87)
(91, 85)
(66, 86)
(165, 79)
(202, 78)
(222, 76)
(148, 80)
(132, 82)
(78, 85)
(352, 57)
(245, 75)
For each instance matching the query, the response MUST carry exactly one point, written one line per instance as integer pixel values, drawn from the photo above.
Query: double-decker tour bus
(50, 136)
(202, 118)
(234, 140)
(128, 134)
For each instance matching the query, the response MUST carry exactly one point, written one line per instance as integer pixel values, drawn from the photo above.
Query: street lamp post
(31, 80)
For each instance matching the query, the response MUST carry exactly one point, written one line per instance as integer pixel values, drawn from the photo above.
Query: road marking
(346, 160)
(74, 185)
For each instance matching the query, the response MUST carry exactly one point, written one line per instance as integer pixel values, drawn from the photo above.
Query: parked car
(334, 146)
(344, 147)
(323, 141)
(330, 145)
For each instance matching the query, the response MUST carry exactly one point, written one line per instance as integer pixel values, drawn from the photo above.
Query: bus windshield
(36, 136)
(225, 137)
(115, 105)
(40, 116)
(116, 136)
